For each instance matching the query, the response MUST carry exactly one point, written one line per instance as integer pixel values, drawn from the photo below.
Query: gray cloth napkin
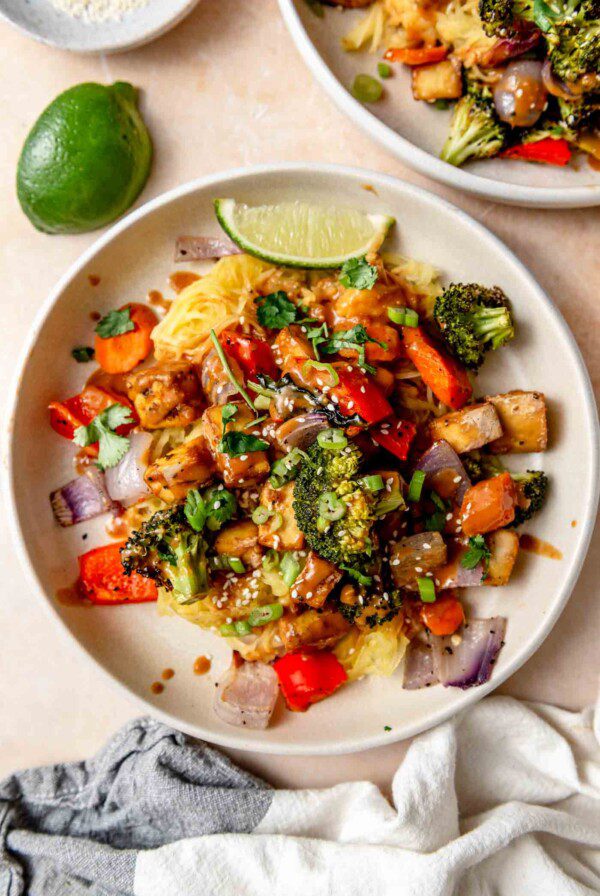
(77, 828)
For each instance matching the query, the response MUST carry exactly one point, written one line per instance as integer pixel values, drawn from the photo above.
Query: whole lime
(85, 160)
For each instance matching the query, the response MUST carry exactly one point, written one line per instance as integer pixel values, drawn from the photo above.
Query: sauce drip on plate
(537, 546)
(180, 279)
(201, 665)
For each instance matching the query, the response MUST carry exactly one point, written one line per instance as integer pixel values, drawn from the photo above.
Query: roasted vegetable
(523, 420)
(476, 132)
(169, 551)
(333, 510)
(415, 555)
(188, 466)
(468, 429)
(473, 319)
(532, 487)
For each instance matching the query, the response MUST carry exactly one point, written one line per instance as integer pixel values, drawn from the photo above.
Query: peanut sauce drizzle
(201, 665)
(178, 280)
(537, 546)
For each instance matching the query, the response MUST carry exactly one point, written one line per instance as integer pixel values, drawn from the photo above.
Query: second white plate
(415, 132)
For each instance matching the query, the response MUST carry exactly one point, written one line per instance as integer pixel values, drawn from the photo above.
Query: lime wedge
(299, 235)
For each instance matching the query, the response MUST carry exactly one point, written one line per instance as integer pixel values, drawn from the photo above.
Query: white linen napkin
(504, 800)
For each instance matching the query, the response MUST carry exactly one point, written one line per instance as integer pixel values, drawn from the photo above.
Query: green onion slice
(261, 514)
(262, 403)
(366, 89)
(271, 560)
(396, 315)
(321, 365)
(416, 485)
(264, 615)
(331, 507)
(439, 502)
(384, 70)
(373, 483)
(276, 522)
(236, 564)
(426, 590)
(411, 318)
(332, 439)
(289, 568)
(227, 630)
(242, 628)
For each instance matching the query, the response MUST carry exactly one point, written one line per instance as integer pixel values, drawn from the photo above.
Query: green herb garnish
(357, 575)
(115, 323)
(276, 311)
(228, 412)
(111, 447)
(356, 338)
(478, 552)
(195, 510)
(357, 273)
(235, 443)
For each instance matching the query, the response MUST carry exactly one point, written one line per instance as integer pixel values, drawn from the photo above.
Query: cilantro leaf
(111, 446)
(228, 412)
(478, 552)
(195, 510)
(276, 311)
(235, 443)
(82, 353)
(357, 273)
(220, 506)
(115, 323)
(356, 338)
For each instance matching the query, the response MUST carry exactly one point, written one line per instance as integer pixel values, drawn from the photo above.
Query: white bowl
(131, 643)
(414, 131)
(44, 22)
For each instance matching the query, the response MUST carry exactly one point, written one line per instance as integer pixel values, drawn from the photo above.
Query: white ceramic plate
(415, 132)
(131, 643)
(41, 20)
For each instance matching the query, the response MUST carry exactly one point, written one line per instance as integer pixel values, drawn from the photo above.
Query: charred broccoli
(582, 114)
(476, 132)
(533, 486)
(473, 319)
(498, 16)
(572, 31)
(481, 466)
(333, 509)
(167, 549)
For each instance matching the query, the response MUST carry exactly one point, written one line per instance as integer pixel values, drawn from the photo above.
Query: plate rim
(144, 37)
(412, 155)
(235, 741)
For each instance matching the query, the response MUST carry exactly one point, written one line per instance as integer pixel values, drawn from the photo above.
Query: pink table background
(227, 88)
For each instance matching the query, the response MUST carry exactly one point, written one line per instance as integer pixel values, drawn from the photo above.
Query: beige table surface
(227, 88)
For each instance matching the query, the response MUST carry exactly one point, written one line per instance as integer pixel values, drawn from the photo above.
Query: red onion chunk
(510, 47)
(247, 695)
(419, 671)
(301, 432)
(438, 459)
(200, 248)
(453, 574)
(81, 499)
(470, 662)
(125, 482)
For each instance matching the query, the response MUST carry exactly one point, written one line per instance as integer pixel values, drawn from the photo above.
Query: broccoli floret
(481, 466)
(473, 319)
(583, 114)
(576, 51)
(332, 476)
(498, 16)
(166, 548)
(533, 487)
(476, 132)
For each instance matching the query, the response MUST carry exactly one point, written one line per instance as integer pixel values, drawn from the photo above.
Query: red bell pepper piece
(67, 415)
(252, 354)
(102, 578)
(416, 56)
(549, 151)
(306, 678)
(396, 437)
(445, 377)
(356, 393)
